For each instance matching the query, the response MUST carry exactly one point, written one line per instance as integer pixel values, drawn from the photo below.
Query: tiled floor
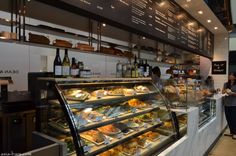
(226, 146)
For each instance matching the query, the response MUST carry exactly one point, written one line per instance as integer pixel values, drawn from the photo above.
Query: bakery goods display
(8, 35)
(84, 47)
(134, 125)
(146, 117)
(167, 125)
(94, 136)
(76, 94)
(109, 129)
(35, 38)
(141, 89)
(116, 92)
(130, 147)
(116, 151)
(129, 92)
(113, 118)
(152, 136)
(99, 93)
(90, 116)
(60, 125)
(111, 51)
(122, 127)
(137, 103)
(62, 43)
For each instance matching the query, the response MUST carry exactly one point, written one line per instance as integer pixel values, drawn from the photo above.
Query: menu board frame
(191, 41)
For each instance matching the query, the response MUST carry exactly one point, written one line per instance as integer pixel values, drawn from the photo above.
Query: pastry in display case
(185, 93)
(105, 117)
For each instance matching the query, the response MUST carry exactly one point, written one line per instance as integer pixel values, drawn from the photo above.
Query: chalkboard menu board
(161, 19)
(218, 67)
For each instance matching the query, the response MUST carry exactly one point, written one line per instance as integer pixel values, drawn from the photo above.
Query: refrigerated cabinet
(105, 116)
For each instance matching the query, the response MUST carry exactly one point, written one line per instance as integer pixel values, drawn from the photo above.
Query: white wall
(26, 58)
(221, 53)
(232, 44)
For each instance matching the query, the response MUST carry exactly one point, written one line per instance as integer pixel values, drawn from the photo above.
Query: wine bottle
(124, 70)
(74, 69)
(80, 66)
(146, 69)
(66, 65)
(141, 68)
(57, 66)
(134, 70)
(119, 69)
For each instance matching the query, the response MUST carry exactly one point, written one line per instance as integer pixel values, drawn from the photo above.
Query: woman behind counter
(156, 77)
(230, 103)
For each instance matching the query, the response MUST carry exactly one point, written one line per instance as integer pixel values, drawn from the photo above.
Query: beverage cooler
(112, 116)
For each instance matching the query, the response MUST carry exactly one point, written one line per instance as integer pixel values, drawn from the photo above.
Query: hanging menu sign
(162, 20)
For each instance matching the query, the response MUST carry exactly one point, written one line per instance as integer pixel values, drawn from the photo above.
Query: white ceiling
(193, 6)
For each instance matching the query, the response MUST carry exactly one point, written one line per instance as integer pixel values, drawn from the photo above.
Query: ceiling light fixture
(208, 21)
(188, 0)
(103, 24)
(200, 12)
(112, 7)
(144, 38)
(190, 23)
(215, 28)
(162, 4)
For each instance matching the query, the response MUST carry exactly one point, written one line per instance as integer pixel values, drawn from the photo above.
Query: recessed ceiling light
(215, 28)
(186, 6)
(144, 38)
(200, 12)
(103, 24)
(208, 21)
(200, 30)
(112, 7)
(162, 4)
(188, 0)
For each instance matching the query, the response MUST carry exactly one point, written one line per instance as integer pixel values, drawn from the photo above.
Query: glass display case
(184, 93)
(105, 116)
(207, 110)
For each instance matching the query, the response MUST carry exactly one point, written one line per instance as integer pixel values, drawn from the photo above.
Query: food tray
(59, 127)
(96, 143)
(146, 144)
(110, 133)
(85, 97)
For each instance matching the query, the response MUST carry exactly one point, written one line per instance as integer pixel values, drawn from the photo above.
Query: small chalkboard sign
(218, 67)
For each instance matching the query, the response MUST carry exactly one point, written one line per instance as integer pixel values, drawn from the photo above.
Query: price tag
(87, 148)
(145, 125)
(149, 146)
(98, 118)
(138, 153)
(82, 122)
(120, 135)
(158, 120)
(106, 141)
